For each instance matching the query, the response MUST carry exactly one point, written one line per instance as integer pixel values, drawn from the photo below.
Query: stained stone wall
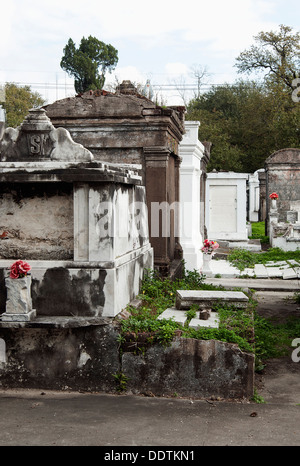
(127, 128)
(81, 224)
(283, 177)
(38, 219)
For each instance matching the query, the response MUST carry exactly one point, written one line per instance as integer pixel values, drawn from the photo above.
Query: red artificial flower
(273, 196)
(19, 269)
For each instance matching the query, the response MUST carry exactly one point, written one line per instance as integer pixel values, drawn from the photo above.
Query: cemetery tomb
(81, 224)
(226, 206)
(127, 128)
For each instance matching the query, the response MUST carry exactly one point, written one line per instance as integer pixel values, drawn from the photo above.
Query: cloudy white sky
(160, 40)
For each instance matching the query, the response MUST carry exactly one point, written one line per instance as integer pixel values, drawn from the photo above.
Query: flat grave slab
(207, 298)
(178, 316)
(211, 322)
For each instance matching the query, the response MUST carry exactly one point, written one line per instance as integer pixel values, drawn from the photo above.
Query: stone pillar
(19, 303)
(191, 152)
(2, 118)
(81, 222)
(159, 208)
(254, 198)
(204, 162)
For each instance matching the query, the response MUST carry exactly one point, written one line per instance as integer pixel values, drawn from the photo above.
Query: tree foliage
(277, 54)
(249, 120)
(18, 100)
(89, 62)
(245, 123)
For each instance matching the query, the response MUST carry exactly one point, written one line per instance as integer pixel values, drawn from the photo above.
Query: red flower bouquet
(19, 269)
(273, 196)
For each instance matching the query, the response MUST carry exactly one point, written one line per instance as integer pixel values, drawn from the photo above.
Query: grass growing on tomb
(236, 326)
(244, 327)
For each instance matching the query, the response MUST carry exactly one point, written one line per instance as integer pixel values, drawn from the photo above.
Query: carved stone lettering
(37, 144)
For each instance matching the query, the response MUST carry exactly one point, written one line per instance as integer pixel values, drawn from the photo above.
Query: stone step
(207, 298)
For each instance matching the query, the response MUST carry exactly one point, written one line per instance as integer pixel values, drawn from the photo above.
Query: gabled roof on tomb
(284, 156)
(125, 103)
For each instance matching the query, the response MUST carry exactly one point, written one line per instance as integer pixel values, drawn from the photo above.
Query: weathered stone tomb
(125, 127)
(80, 223)
(283, 215)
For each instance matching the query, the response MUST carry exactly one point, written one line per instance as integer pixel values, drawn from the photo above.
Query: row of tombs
(94, 190)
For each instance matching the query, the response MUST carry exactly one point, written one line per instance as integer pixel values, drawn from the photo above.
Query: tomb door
(223, 208)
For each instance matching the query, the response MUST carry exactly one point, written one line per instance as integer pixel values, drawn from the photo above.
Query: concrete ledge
(56, 322)
(254, 284)
(191, 367)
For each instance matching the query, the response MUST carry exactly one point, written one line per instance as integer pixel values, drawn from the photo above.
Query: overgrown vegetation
(258, 232)
(236, 326)
(242, 258)
(274, 340)
(248, 120)
(244, 327)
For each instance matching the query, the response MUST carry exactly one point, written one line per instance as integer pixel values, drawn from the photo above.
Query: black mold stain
(19, 191)
(60, 294)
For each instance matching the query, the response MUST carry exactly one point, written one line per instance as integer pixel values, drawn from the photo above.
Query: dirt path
(279, 382)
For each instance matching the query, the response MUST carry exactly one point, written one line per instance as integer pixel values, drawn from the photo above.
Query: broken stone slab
(274, 272)
(275, 263)
(289, 274)
(172, 313)
(207, 298)
(211, 322)
(260, 271)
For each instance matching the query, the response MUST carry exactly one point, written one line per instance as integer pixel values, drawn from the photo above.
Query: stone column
(19, 303)
(191, 151)
(156, 161)
(81, 222)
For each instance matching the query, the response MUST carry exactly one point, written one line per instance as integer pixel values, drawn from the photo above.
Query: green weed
(242, 258)
(258, 232)
(122, 380)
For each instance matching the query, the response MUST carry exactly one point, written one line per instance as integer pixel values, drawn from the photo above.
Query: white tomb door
(223, 208)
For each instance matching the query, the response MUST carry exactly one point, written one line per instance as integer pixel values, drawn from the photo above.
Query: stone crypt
(80, 223)
(126, 127)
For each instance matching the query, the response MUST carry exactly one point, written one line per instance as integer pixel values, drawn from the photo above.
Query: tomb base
(26, 317)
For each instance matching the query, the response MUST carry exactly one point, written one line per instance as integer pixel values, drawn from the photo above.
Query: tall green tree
(245, 123)
(276, 54)
(18, 100)
(89, 62)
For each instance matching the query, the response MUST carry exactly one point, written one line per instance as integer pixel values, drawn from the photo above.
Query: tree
(18, 100)
(85, 61)
(245, 123)
(276, 53)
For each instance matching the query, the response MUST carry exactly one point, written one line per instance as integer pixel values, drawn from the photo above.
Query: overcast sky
(160, 40)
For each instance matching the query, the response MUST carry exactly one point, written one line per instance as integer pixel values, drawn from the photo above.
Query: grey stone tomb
(81, 224)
